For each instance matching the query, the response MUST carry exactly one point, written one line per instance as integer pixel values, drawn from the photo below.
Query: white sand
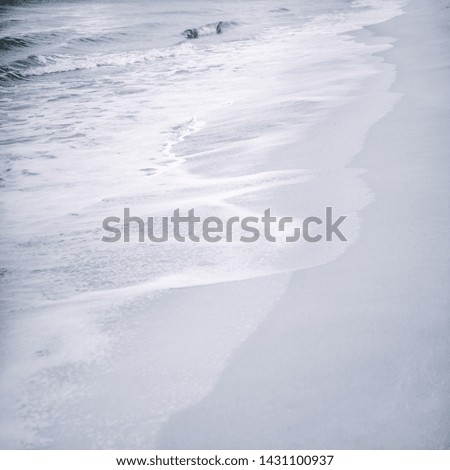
(356, 352)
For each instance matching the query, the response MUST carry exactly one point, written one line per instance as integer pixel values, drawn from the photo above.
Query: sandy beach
(356, 354)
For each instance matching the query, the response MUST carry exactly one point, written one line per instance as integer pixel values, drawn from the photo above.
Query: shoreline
(339, 346)
(354, 354)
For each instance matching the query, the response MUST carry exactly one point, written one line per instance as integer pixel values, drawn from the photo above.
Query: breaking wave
(37, 65)
(208, 29)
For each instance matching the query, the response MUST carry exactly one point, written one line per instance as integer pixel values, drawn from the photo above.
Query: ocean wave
(37, 65)
(28, 40)
(208, 29)
(98, 38)
(94, 40)
(7, 43)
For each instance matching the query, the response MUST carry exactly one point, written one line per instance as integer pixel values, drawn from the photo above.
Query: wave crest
(208, 29)
(38, 65)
